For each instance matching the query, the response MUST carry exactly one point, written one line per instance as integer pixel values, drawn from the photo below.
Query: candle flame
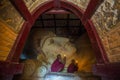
(76, 61)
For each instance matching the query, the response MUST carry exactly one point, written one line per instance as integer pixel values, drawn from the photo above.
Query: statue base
(61, 76)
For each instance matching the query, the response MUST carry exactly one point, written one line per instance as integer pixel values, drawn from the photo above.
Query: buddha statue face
(52, 46)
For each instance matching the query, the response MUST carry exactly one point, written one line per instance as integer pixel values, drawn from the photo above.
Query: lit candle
(76, 61)
(64, 55)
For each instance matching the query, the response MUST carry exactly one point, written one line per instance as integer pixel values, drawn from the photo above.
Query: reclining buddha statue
(50, 46)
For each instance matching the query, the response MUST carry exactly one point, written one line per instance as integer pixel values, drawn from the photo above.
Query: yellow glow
(64, 55)
(76, 61)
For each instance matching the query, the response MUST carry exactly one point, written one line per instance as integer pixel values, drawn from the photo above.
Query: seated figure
(58, 64)
(72, 67)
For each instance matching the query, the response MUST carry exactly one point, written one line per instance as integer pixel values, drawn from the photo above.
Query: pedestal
(61, 76)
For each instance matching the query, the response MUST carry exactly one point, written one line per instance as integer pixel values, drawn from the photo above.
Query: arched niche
(49, 5)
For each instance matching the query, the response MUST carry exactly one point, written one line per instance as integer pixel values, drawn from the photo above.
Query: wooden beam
(91, 8)
(23, 10)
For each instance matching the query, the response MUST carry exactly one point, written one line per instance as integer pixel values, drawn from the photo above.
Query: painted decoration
(10, 15)
(81, 3)
(107, 22)
(32, 4)
(7, 38)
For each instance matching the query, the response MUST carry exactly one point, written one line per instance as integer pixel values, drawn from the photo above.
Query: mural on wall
(81, 3)
(47, 45)
(10, 15)
(32, 4)
(107, 22)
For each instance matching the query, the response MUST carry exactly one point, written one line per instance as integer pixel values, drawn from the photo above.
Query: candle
(76, 61)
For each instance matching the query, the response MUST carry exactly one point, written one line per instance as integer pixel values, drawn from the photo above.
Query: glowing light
(64, 55)
(61, 76)
(76, 61)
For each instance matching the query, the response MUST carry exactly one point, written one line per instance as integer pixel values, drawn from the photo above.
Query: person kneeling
(72, 67)
(58, 64)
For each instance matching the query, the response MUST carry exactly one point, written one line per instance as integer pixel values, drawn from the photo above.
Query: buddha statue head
(54, 45)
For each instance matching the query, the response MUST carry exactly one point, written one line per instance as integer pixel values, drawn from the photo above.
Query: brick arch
(100, 54)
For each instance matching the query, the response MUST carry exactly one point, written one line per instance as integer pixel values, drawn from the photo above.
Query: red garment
(57, 66)
(72, 68)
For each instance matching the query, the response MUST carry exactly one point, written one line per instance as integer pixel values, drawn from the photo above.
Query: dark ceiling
(67, 25)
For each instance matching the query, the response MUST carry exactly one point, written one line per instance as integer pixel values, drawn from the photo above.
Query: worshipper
(72, 67)
(76, 67)
(58, 65)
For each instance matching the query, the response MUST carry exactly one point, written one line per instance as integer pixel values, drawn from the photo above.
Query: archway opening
(78, 12)
(94, 38)
(65, 28)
